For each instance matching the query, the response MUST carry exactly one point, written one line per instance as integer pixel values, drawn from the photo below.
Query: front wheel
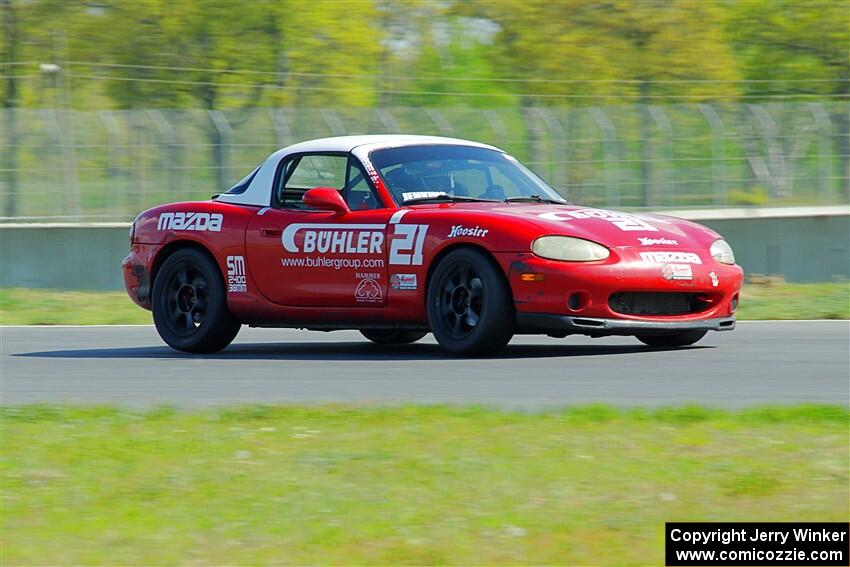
(392, 336)
(684, 338)
(189, 304)
(470, 307)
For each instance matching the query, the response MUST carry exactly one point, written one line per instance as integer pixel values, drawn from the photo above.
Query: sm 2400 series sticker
(236, 281)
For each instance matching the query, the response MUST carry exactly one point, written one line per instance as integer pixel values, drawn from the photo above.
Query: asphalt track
(759, 363)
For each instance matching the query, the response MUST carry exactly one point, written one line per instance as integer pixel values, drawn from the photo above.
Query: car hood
(612, 228)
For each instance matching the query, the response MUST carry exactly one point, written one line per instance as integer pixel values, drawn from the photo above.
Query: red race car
(397, 236)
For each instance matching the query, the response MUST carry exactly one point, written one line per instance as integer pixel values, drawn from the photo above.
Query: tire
(684, 338)
(470, 307)
(189, 304)
(392, 336)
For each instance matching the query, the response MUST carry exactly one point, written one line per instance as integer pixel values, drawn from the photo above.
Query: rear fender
(217, 228)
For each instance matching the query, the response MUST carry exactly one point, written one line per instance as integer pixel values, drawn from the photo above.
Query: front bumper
(562, 325)
(136, 270)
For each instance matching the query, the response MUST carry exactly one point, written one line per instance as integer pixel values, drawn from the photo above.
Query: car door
(304, 257)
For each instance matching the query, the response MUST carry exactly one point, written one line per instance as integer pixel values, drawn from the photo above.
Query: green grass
(19, 306)
(46, 307)
(795, 301)
(416, 485)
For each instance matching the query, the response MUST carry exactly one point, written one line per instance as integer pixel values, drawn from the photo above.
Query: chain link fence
(60, 165)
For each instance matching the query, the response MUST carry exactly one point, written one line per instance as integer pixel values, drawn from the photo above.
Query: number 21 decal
(406, 248)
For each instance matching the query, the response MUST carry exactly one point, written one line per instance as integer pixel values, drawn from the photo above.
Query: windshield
(414, 173)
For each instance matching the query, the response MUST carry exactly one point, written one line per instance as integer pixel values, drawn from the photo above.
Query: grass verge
(19, 306)
(407, 484)
(48, 307)
(795, 301)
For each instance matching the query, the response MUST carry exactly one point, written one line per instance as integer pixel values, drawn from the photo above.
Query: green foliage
(755, 197)
(615, 51)
(799, 47)
(223, 54)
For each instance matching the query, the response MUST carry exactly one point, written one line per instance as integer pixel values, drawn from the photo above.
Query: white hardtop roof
(348, 143)
(259, 191)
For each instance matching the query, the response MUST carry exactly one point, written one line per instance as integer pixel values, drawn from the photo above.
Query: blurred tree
(333, 54)
(223, 51)
(432, 52)
(219, 55)
(599, 52)
(797, 48)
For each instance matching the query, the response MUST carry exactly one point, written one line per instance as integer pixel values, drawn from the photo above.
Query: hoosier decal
(460, 230)
(653, 241)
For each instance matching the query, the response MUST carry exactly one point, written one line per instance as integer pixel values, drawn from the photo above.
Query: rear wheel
(684, 338)
(392, 336)
(190, 305)
(470, 308)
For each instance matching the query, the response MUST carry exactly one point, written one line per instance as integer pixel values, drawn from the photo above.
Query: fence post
(662, 122)
(70, 187)
(388, 120)
(281, 127)
(440, 121)
(770, 132)
(221, 145)
(537, 153)
(609, 155)
(719, 190)
(113, 135)
(824, 124)
(169, 137)
(9, 161)
(497, 124)
(333, 122)
(556, 143)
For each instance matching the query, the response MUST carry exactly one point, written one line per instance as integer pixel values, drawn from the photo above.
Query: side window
(302, 173)
(358, 194)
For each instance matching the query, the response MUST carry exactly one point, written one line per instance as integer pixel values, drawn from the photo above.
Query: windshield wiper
(535, 199)
(447, 199)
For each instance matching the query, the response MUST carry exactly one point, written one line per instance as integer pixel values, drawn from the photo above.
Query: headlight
(569, 249)
(722, 252)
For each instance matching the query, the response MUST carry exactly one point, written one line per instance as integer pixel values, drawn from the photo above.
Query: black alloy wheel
(470, 308)
(190, 304)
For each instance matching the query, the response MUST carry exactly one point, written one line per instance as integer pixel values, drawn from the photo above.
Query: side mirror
(325, 199)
